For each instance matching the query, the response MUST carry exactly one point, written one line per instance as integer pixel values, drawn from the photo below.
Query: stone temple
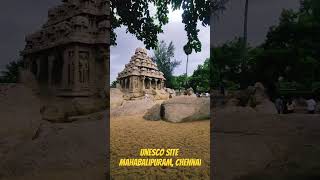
(69, 56)
(141, 76)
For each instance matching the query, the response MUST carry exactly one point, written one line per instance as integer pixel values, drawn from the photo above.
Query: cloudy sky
(19, 18)
(261, 15)
(173, 31)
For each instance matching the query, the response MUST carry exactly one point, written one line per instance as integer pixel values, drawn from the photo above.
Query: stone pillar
(76, 69)
(50, 66)
(125, 83)
(130, 83)
(143, 85)
(156, 85)
(66, 61)
(162, 83)
(150, 87)
(38, 67)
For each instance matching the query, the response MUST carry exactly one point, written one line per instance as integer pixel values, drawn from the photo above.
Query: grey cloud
(262, 14)
(17, 19)
(21, 17)
(173, 31)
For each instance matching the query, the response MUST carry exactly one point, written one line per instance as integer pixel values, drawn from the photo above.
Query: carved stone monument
(69, 55)
(141, 76)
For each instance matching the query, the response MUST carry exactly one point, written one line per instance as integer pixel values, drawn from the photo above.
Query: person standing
(222, 88)
(291, 106)
(279, 105)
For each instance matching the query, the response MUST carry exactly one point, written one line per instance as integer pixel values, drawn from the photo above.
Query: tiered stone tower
(141, 76)
(68, 56)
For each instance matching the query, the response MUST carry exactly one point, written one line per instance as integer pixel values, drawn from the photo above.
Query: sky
(173, 31)
(19, 18)
(261, 15)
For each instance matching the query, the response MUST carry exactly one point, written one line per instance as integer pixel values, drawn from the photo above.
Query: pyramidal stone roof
(141, 65)
(74, 21)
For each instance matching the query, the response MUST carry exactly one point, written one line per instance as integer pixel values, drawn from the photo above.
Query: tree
(178, 82)
(187, 49)
(136, 16)
(11, 74)
(294, 45)
(163, 55)
(245, 41)
(199, 81)
(113, 84)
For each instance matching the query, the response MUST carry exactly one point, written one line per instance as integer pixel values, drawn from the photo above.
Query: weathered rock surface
(246, 143)
(116, 97)
(20, 118)
(262, 101)
(254, 99)
(184, 108)
(133, 107)
(189, 92)
(59, 151)
(161, 95)
(62, 110)
(153, 114)
(19, 114)
(171, 92)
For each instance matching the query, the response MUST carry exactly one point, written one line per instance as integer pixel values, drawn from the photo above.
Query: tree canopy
(288, 57)
(137, 17)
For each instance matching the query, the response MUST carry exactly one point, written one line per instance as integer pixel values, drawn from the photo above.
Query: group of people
(287, 106)
(206, 94)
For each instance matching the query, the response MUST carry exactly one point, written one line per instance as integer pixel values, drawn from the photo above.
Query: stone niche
(141, 76)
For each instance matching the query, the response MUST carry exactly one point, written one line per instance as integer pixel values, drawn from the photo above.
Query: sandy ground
(131, 133)
(60, 152)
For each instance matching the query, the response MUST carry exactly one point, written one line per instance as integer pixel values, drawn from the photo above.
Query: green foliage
(200, 79)
(113, 84)
(11, 74)
(292, 48)
(228, 63)
(163, 55)
(136, 16)
(291, 51)
(178, 82)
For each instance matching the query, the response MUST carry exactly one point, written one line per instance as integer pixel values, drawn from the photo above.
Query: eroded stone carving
(68, 55)
(141, 76)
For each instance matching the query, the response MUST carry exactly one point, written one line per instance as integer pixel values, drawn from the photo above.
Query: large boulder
(153, 114)
(161, 95)
(260, 94)
(261, 101)
(116, 97)
(253, 99)
(171, 92)
(133, 107)
(63, 110)
(190, 92)
(184, 108)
